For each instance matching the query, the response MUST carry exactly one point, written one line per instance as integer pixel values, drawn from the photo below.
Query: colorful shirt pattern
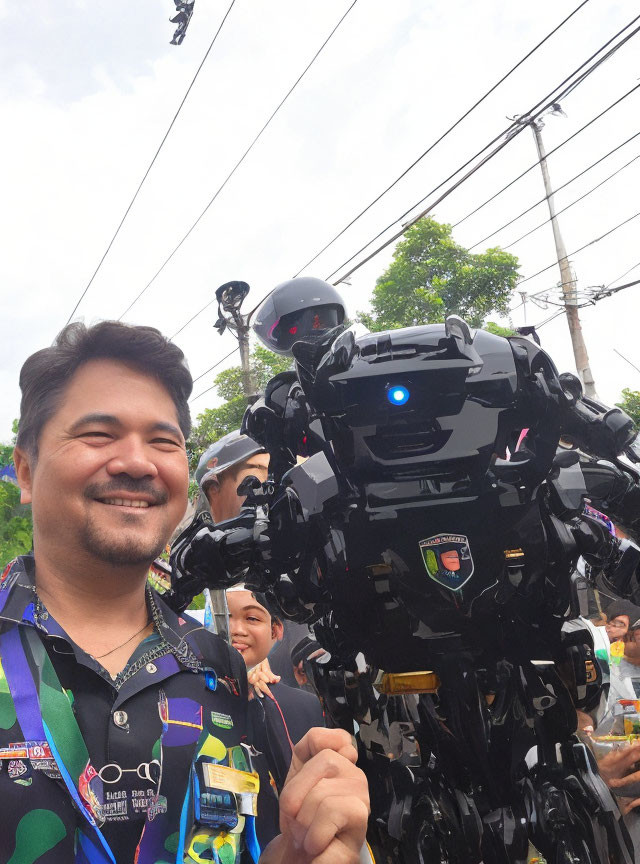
(150, 768)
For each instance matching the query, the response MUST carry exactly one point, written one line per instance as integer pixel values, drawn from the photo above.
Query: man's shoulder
(213, 651)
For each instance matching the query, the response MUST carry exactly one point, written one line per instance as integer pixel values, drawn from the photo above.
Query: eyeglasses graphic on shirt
(112, 772)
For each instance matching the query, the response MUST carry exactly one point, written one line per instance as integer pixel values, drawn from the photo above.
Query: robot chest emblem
(447, 559)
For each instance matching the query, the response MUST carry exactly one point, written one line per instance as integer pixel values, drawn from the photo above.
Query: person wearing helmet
(223, 467)
(304, 308)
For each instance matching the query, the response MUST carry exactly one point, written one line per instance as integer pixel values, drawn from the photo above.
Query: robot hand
(210, 556)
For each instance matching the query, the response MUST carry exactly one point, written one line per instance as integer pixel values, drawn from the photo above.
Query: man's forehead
(111, 388)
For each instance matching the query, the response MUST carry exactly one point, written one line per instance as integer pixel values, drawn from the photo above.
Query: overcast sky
(88, 88)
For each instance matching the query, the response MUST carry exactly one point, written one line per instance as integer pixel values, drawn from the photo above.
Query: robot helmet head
(304, 308)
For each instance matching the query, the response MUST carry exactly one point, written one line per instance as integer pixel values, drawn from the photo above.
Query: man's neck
(99, 606)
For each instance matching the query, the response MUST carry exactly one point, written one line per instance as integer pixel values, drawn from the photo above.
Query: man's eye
(94, 434)
(166, 441)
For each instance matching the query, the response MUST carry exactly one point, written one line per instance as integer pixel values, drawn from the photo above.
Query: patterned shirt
(151, 767)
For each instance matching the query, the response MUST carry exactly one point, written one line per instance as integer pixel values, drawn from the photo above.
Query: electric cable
(226, 357)
(608, 292)
(558, 189)
(575, 251)
(546, 102)
(151, 164)
(198, 313)
(551, 318)
(626, 273)
(441, 138)
(511, 132)
(554, 150)
(577, 201)
(241, 159)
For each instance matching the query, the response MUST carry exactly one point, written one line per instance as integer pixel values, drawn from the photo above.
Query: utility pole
(568, 281)
(230, 297)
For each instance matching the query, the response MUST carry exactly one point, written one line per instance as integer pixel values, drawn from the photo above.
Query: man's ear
(277, 630)
(23, 464)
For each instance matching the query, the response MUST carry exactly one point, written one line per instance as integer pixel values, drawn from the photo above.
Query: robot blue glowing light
(398, 395)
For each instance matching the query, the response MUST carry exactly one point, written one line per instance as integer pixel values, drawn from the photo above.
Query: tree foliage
(213, 423)
(16, 526)
(431, 276)
(631, 404)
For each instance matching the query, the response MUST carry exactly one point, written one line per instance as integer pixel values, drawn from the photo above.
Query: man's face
(250, 626)
(224, 501)
(617, 627)
(111, 476)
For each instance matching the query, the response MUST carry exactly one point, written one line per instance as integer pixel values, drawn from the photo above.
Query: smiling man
(122, 726)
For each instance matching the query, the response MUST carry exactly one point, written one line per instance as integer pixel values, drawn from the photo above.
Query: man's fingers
(325, 765)
(318, 739)
(337, 853)
(621, 782)
(628, 804)
(342, 817)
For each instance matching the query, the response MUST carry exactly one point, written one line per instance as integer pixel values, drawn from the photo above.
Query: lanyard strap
(44, 712)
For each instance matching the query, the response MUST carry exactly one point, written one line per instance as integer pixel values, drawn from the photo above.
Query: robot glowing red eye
(293, 330)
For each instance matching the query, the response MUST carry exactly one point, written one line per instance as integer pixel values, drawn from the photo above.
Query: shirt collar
(18, 591)
(18, 596)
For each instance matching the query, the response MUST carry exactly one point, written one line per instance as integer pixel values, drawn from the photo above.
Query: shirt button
(120, 718)
(151, 668)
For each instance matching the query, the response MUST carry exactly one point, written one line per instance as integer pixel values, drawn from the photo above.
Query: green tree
(16, 526)
(431, 276)
(213, 423)
(631, 404)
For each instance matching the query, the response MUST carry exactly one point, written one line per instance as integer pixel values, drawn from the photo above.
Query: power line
(151, 164)
(577, 201)
(441, 138)
(554, 150)
(626, 273)
(551, 318)
(575, 251)
(241, 160)
(559, 188)
(198, 313)
(607, 292)
(516, 128)
(511, 132)
(206, 372)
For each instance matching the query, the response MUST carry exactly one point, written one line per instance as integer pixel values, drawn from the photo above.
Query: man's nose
(132, 457)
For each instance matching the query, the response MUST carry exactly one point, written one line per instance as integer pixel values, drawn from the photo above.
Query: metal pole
(243, 344)
(568, 280)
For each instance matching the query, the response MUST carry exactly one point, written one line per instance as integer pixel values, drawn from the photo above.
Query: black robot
(431, 536)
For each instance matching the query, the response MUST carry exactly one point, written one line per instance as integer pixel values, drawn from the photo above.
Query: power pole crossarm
(568, 281)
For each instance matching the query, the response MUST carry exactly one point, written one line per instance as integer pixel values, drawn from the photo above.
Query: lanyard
(44, 712)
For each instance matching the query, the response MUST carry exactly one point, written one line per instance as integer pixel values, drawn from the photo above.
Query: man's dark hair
(45, 374)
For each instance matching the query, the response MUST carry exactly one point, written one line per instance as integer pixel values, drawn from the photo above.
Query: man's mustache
(125, 483)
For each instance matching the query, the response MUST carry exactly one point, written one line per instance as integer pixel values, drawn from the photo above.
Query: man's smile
(126, 502)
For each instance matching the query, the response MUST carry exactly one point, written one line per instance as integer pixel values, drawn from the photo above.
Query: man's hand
(617, 771)
(324, 805)
(260, 677)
